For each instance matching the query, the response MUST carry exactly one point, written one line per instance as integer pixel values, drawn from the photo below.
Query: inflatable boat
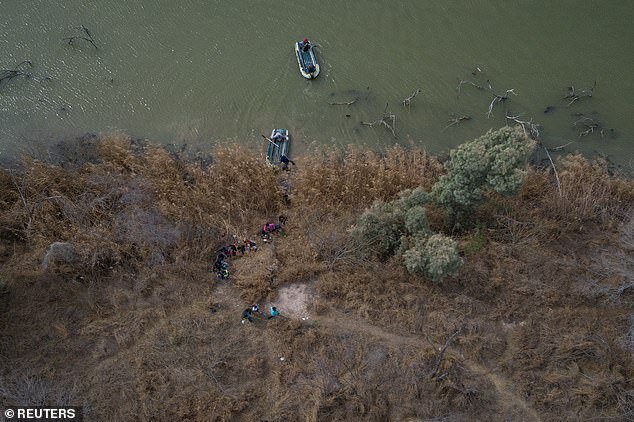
(278, 145)
(306, 60)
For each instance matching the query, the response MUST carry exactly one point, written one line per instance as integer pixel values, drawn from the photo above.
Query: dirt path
(339, 321)
(298, 298)
(509, 400)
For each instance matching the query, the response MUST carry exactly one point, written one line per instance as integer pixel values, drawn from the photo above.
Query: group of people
(254, 310)
(221, 266)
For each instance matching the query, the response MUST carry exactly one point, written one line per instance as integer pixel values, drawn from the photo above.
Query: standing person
(285, 160)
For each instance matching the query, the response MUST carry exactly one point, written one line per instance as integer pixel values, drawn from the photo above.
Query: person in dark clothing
(310, 68)
(306, 45)
(218, 266)
(247, 315)
(285, 160)
(283, 219)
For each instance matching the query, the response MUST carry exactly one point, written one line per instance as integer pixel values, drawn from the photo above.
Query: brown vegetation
(107, 300)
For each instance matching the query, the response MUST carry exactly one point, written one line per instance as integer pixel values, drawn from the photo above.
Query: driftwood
(530, 129)
(408, 101)
(441, 355)
(560, 147)
(587, 125)
(86, 36)
(466, 82)
(456, 119)
(552, 163)
(344, 103)
(388, 120)
(574, 95)
(497, 98)
(8, 74)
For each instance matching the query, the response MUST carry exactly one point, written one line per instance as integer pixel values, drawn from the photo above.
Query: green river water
(207, 71)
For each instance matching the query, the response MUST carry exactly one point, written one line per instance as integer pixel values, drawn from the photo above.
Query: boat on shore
(306, 60)
(279, 144)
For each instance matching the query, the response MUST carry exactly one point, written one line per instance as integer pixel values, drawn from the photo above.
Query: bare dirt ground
(296, 301)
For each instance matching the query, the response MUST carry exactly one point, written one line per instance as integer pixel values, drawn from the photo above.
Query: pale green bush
(494, 161)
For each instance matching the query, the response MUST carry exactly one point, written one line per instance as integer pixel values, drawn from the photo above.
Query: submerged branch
(530, 129)
(456, 119)
(388, 120)
(408, 101)
(344, 103)
(574, 95)
(8, 74)
(87, 36)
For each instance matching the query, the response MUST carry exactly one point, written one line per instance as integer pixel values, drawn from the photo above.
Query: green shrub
(494, 161)
(401, 228)
(380, 228)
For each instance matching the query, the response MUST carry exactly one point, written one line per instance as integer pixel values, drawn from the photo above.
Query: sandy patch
(295, 300)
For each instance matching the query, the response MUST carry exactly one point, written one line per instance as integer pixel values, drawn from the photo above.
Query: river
(207, 71)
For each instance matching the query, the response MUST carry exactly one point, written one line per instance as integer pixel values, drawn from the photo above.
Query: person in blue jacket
(273, 312)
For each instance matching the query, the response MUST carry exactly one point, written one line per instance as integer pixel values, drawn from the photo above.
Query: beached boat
(307, 61)
(278, 145)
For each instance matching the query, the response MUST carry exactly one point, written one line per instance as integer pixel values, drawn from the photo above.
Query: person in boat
(310, 68)
(278, 137)
(305, 45)
(285, 160)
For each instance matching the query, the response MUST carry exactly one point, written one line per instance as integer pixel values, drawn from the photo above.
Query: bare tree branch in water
(530, 129)
(497, 98)
(560, 147)
(456, 119)
(586, 125)
(574, 95)
(466, 82)
(388, 120)
(407, 102)
(346, 103)
(86, 36)
(8, 74)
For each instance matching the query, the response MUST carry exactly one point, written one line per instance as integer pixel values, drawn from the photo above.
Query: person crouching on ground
(273, 312)
(247, 315)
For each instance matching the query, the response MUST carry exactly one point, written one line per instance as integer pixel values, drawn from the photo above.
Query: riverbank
(124, 317)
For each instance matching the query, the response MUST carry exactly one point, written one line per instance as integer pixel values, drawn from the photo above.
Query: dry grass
(130, 324)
